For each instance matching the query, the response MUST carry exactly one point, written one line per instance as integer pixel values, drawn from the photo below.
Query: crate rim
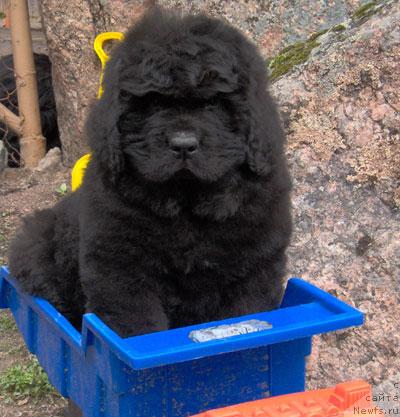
(166, 347)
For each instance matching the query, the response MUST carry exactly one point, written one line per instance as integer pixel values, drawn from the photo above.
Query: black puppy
(184, 214)
(47, 104)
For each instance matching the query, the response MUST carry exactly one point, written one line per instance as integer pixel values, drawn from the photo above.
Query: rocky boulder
(340, 106)
(70, 28)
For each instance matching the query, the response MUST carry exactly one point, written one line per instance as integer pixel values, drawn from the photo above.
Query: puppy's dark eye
(209, 76)
(154, 99)
(213, 101)
(124, 95)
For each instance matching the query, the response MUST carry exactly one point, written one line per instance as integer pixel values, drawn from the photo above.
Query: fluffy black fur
(48, 112)
(153, 239)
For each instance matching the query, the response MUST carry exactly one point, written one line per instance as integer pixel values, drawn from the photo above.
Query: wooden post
(32, 142)
(11, 120)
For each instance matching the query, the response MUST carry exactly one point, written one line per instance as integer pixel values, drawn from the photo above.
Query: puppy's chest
(189, 248)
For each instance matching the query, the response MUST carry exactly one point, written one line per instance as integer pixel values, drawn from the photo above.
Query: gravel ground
(22, 191)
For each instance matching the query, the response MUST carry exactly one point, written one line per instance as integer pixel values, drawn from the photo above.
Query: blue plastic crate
(168, 374)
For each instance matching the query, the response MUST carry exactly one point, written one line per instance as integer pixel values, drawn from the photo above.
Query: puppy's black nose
(184, 144)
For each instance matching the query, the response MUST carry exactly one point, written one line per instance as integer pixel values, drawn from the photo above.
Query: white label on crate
(229, 330)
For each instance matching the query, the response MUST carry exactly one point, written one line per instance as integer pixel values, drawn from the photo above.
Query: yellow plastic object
(78, 171)
(98, 47)
(80, 165)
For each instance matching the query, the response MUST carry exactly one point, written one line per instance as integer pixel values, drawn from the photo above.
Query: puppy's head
(185, 97)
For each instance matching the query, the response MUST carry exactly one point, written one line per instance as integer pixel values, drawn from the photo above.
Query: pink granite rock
(341, 114)
(71, 27)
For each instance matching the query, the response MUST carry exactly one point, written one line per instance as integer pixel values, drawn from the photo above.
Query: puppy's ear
(266, 137)
(102, 123)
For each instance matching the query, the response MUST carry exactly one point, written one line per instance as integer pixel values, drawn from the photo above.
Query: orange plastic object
(347, 399)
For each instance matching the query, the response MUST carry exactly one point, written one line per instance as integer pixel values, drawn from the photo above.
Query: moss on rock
(292, 55)
(299, 52)
(317, 35)
(366, 10)
(338, 28)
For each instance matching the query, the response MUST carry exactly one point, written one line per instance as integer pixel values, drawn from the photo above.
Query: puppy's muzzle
(184, 144)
